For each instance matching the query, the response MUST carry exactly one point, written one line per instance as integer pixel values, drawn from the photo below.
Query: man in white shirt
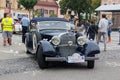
(102, 30)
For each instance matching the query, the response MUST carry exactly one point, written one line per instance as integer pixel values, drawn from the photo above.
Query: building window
(13, 14)
(18, 6)
(46, 11)
(7, 4)
(105, 0)
(51, 12)
(118, 2)
(42, 10)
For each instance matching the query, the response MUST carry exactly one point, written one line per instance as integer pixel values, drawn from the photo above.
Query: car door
(30, 33)
(34, 32)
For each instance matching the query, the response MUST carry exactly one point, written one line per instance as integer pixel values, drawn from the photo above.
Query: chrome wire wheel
(35, 43)
(26, 50)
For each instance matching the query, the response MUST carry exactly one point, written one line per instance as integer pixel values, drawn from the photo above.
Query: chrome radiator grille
(67, 37)
(67, 50)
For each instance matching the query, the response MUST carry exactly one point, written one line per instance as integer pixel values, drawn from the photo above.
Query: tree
(74, 5)
(79, 6)
(37, 13)
(28, 4)
(63, 6)
(95, 3)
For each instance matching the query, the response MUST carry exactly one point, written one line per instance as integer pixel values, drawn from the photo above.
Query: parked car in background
(51, 39)
(0, 28)
(0, 25)
(18, 26)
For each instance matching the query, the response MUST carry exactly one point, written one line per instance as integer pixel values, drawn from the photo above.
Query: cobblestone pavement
(114, 42)
(16, 65)
(112, 48)
(13, 59)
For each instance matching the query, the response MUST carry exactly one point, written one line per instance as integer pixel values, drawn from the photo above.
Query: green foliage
(63, 4)
(38, 13)
(79, 6)
(53, 15)
(28, 4)
(95, 3)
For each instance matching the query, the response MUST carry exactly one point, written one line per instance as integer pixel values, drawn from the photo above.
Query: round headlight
(81, 40)
(55, 40)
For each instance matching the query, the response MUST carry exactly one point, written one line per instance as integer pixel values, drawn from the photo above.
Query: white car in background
(0, 28)
(18, 26)
(0, 25)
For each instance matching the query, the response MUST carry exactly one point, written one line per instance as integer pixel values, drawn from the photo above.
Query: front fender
(48, 49)
(91, 48)
(28, 37)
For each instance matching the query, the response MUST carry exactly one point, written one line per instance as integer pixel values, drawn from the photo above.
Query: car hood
(54, 32)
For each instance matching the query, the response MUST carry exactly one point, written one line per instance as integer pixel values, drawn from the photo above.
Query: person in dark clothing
(97, 23)
(92, 30)
(86, 25)
(25, 23)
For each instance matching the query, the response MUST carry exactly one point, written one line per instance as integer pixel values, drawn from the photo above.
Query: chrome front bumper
(65, 59)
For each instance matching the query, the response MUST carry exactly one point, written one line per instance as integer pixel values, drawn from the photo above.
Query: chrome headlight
(81, 40)
(55, 40)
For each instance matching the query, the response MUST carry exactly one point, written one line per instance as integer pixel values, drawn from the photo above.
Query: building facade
(106, 2)
(11, 6)
(47, 7)
(114, 16)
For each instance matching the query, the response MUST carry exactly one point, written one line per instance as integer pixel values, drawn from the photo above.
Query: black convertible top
(48, 19)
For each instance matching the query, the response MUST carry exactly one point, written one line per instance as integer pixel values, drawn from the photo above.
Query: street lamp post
(119, 35)
(10, 7)
(42, 10)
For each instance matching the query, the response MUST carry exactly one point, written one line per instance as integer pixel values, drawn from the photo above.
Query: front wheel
(41, 58)
(90, 64)
(36, 39)
(26, 45)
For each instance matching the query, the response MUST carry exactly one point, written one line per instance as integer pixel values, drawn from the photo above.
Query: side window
(33, 25)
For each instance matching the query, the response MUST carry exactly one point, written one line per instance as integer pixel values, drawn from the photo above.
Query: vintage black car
(52, 39)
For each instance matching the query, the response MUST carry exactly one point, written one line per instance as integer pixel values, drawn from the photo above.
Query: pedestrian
(97, 23)
(109, 31)
(25, 26)
(76, 22)
(86, 25)
(92, 30)
(82, 27)
(7, 27)
(102, 30)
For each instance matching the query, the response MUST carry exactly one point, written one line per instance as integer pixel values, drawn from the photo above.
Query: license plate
(76, 58)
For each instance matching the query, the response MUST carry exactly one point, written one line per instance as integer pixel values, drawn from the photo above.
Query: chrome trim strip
(64, 58)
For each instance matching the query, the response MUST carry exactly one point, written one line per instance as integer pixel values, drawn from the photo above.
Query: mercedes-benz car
(53, 39)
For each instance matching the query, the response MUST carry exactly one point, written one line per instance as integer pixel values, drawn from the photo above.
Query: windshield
(54, 25)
